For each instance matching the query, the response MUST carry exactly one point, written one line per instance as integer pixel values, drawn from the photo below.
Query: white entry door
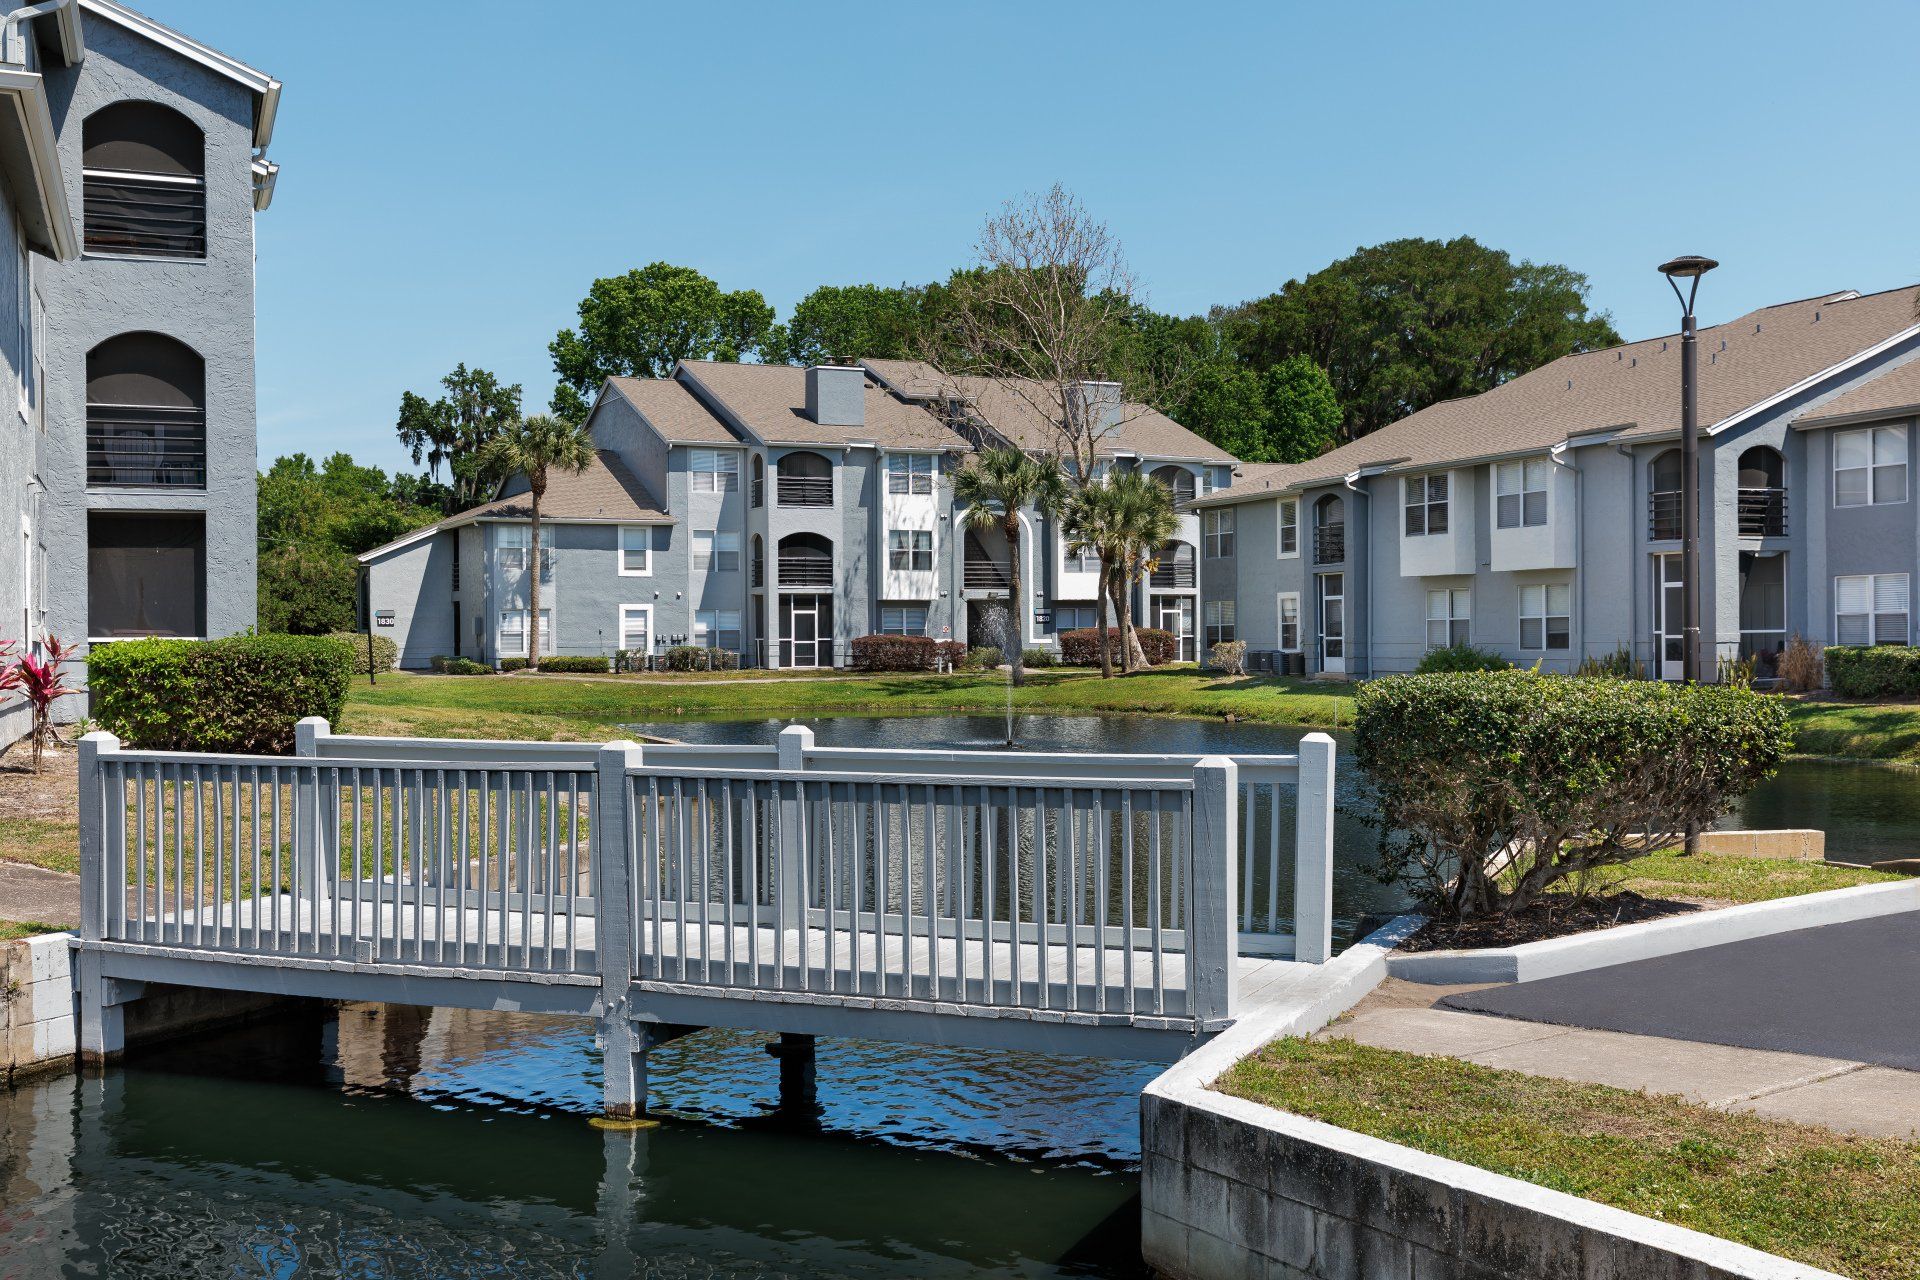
(1333, 622)
(1669, 617)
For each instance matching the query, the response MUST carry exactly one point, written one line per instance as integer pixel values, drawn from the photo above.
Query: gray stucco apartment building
(780, 513)
(1542, 519)
(133, 161)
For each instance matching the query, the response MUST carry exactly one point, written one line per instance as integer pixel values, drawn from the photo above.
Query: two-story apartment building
(133, 160)
(778, 513)
(1542, 518)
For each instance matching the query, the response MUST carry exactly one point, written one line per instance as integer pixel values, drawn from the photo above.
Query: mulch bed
(1557, 915)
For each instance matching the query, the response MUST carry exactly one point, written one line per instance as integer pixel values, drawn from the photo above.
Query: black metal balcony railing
(1663, 515)
(805, 491)
(146, 447)
(1763, 513)
(806, 571)
(986, 575)
(1172, 575)
(149, 216)
(1330, 543)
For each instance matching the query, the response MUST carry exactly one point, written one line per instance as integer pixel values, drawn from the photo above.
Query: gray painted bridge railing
(1047, 884)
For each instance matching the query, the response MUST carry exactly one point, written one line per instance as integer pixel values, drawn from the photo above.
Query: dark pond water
(396, 1142)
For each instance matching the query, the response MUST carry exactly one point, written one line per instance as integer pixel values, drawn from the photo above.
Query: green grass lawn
(1844, 1203)
(1861, 730)
(1718, 877)
(557, 707)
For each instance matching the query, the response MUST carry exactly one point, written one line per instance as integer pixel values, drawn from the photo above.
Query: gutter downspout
(1559, 456)
(1366, 558)
(10, 28)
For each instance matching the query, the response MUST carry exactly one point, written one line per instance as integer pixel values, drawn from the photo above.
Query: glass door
(1333, 622)
(1669, 617)
(805, 631)
(1174, 614)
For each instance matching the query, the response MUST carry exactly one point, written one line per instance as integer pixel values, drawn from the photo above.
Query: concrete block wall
(36, 1005)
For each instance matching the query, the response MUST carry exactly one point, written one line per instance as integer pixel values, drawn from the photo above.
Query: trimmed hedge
(569, 664)
(386, 654)
(1884, 671)
(241, 694)
(513, 664)
(1081, 647)
(1461, 657)
(895, 653)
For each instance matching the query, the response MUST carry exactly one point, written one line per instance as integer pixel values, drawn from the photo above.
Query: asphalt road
(1837, 991)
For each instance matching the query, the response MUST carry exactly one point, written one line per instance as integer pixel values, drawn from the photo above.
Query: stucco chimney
(837, 395)
(1101, 400)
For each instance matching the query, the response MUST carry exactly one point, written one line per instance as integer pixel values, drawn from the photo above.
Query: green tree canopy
(854, 321)
(313, 519)
(454, 430)
(640, 323)
(1406, 324)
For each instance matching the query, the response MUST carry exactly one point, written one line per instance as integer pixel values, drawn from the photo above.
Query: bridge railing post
(316, 836)
(1313, 852)
(796, 740)
(1212, 941)
(103, 875)
(615, 926)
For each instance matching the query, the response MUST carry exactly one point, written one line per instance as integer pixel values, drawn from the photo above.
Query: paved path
(33, 895)
(1848, 991)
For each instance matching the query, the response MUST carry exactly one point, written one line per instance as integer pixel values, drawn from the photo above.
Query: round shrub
(1461, 657)
(1229, 657)
(1495, 786)
(241, 693)
(983, 656)
(386, 654)
(894, 653)
(1038, 658)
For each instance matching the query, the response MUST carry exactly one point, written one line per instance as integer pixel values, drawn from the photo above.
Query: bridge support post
(798, 1078)
(623, 1050)
(623, 1046)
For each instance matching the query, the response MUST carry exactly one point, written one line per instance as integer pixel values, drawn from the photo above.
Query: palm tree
(1094, 521)
(1147, 520)
(533, 447)
(995, 487)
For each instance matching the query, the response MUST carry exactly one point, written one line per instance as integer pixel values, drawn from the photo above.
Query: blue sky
(454, 175)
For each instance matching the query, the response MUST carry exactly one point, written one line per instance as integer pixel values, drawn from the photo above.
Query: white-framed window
(1217, 532)
(1520, 493)
(716, 471)
(717, 629)
(511, 543)
(636, 550)
(1290, 621)
(717, 550)
(910, 549)
(1546, 616)
(1426, 504)
(1871, 608)
(1448, 616)
(911, 472)
(1219, 622)
(1289, 527)
(1219, 478)
(636, 628)
(511, 640)
(1075, 617)
(1869, 467)
(903, 619)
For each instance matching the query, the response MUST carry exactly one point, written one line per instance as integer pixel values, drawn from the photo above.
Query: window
(910, 472)
(1870, 608)
(1546, 616)
(1520, 497)
(1075, 617)
(1219, 477)
(511, 542)
(1426, 500)
(636, 550)
(1447, 618)
(143, 182)
(1290, 622)
(146, 414)
(716, 550)
(512, 640)
(910, 549)
(716, 471)
(1869, 466)
(717, 629)
(759, 480)
(903, 619)
(1218, 527)
(1290, 528)
(1219, 622)
(636, 628)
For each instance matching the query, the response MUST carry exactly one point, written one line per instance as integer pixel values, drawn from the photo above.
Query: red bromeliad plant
(41, 681)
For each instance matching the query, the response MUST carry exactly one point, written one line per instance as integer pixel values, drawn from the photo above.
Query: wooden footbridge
(1121, 906)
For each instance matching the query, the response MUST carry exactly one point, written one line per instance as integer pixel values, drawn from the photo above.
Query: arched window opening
(144, 173)
(1763, 493)
(1179, 482)
(146, 414)
(806, 480)
(1663, 496)
(806, 560)
(1173, 567)
(1330, 530)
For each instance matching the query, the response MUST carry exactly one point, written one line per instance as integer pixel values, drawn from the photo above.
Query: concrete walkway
(34, 895)
(1838, 1093)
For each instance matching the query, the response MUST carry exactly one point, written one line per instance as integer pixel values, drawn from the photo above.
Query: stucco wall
(415, 584)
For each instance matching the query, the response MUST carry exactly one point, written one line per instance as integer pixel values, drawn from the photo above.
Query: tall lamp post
(1689, 268)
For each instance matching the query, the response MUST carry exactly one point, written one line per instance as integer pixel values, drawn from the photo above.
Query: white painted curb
(1533, 960)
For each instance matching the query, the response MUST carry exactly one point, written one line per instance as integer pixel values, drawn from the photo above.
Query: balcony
(1330, 543)
(1763, 513)
(983, 574)
(1664, 515)
(146, 447)
(806, 571)
(805, 491)
(1172, 576)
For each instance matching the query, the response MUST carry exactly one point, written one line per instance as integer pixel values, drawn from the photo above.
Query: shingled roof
(674, 410)
(770, 400)
(1893, 394)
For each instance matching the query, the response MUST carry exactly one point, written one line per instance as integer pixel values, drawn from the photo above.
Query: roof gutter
(13, 47)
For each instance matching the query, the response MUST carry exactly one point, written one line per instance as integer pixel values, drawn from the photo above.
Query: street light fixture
(1689, 267)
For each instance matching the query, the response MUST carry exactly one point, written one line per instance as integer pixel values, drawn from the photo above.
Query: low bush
(1802, 666)
(572, 664)
(629, 660)
(461, 667)
(242, 693)
(1229, 657)
(1081, 647)
(1461, 657)
(513, 664)
(1039, 658)
(981, 657)
(1618, 665)
(1494, 786)
(386, 654)
(690, 657)
(1884, 671)
(894, 653)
